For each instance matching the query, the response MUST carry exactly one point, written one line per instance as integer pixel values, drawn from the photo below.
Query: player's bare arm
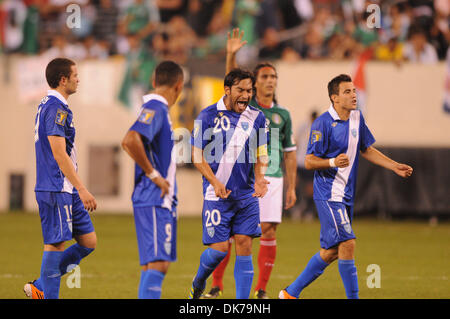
(290, 162)
(234, 44)
(376, 157)
(203, 167)
(313, 162)
(58, 146)
(132, 144)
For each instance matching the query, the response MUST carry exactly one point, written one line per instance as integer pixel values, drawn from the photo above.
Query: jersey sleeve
(54, 120)
(366, 137)
(198, 137)
(148, 123)
(318, 139)
(288, 141)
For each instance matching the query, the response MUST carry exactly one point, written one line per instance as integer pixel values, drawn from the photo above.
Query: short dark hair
(56, 69)
(167, 73)
(237, 75)
(333, 85)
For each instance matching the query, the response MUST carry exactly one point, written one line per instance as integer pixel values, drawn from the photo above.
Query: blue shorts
(223, 219)
(156, 230)
(335, 223)
(62, 216)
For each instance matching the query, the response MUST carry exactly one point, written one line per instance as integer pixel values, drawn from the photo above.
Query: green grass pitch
(414, 259)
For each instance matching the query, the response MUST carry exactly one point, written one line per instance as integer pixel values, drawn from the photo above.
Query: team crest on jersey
(244, 125)
(348, 228)
(316, 136)
(61, 117)
(167, 247)
(354, 131)
(276, 118)
(211, 231)
(146, 116)
(334, 124)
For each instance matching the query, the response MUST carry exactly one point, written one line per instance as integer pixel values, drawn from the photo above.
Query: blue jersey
(155, 127)
(54, 118)
(331, 136)
(231, 142)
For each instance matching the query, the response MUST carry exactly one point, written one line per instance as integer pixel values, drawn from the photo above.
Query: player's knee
(243, 245)
(347, 249)
(329, 255)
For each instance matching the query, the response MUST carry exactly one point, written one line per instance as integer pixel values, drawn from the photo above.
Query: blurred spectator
(30, 44)
(391, 51)
(170, 8)
(200, 15)
(14, 15)
(396, 23)
(417, 49)
(61, 47)
(105, 24)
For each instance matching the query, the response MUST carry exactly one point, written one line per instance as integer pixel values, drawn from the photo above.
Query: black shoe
(261, 294)
(215, 292)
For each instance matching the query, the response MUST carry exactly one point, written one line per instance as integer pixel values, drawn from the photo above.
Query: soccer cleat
(32, 292)
(215, 292)
(261, 294)
(284, 295)
(195, 293)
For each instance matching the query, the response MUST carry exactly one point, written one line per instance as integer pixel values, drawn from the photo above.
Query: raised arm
(376, 157)
(234, 44)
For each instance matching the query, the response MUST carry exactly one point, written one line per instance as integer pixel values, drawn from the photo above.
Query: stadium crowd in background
(415, 30)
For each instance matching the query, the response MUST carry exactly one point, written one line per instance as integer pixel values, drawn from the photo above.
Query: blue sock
(141, 283)
(243, 275)
(70, 256)
(209, 260)
(50, 274)
(151, 284)
(313, 269)
(349, 276)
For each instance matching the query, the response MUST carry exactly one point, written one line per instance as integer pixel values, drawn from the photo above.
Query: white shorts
(271, 205)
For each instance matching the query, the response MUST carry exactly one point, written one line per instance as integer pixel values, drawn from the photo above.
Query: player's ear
(227, 90)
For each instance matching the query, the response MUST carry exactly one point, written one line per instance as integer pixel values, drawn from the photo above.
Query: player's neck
(61, 91)
(344, 114)
(165, 93)
(264, 101)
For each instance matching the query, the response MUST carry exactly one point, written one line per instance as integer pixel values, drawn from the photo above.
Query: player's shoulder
(209, 111)
(256, 113)
(51, 103)
(322, 120)
(155, 105)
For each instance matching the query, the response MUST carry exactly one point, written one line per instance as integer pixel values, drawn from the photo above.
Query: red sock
(220, 269)
(266, 259)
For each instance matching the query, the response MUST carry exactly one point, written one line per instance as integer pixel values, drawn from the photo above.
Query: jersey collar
(153, 96)
(333, 113)
(58, 96)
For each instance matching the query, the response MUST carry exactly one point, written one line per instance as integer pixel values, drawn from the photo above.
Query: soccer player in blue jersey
(149, 143)
(337, 138)
(229, 148)
(62, 198)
